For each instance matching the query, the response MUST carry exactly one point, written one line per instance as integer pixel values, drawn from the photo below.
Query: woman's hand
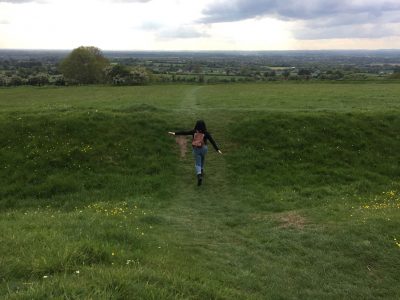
(219, 151)
(171, 132)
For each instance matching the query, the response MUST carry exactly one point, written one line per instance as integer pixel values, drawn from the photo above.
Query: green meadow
(97, 201)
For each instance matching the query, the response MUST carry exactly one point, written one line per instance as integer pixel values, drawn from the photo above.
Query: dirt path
(182, 142)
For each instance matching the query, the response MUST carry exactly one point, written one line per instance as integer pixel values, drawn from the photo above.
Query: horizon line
(214, 50)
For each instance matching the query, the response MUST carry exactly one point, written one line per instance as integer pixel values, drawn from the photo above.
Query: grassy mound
(316, 156)
(96, 153)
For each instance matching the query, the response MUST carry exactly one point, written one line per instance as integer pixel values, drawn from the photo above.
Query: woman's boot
(199, 179)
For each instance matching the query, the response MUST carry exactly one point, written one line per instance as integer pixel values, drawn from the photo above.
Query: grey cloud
(183, 32)
(236, 10)
(354, 19)
(320, 19)
(346, 32)
(4, 22)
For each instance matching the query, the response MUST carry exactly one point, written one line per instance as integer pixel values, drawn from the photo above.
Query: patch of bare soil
(292, 220)
(182, 142)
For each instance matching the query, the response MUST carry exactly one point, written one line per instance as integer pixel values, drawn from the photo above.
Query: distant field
(279, 68)
(96, 202)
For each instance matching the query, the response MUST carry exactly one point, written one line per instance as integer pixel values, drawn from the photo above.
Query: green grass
(96, 202)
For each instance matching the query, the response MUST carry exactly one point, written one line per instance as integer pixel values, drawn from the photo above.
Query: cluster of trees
(121, 75)
(38, 79)
(84, 65)
(87, 65)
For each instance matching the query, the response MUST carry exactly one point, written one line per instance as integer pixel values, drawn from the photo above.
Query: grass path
(202, 219)
(214, 193)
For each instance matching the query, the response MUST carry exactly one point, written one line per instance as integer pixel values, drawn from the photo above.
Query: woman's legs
(203, 158)
(199, 158)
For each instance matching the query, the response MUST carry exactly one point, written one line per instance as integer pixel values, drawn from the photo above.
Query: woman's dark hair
(200, 126)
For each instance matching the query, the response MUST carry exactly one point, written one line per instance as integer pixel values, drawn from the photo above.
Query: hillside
(97, 202)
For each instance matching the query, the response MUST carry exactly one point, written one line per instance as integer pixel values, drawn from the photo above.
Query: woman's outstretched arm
(210, 138)
(190, 132)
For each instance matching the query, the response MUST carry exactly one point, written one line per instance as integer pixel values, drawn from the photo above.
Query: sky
(200, 24)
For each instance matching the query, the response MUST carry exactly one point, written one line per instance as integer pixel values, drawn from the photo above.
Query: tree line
(84, 65)
(88, 65)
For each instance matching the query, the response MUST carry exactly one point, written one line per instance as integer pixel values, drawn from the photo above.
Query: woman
(200, 136)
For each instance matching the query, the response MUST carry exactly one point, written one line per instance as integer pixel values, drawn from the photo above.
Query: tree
(286, 74)
(245, 71)
(122, 75)
(304, 72)
(139, 75)
(271, 73)
(16, 80)
(201, 78)
(38, 79)
(3, 80)
(84, 65)
(117, 70)
(396, 73)
(117, 74)
(57, 80)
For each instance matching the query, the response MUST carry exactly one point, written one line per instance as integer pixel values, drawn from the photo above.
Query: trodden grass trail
(200, 214)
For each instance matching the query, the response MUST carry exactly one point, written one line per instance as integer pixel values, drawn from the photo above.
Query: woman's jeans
(199, 158)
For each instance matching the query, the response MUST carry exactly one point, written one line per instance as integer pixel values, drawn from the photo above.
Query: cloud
(316, 19)
(164, 31)
(17, 1)
(369, 31)
(4, 22)
(149, 26)
(130, 1)
(361, 18)
(236, 10)
(182, 32)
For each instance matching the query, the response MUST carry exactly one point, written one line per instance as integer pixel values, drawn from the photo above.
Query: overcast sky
(200, 24)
